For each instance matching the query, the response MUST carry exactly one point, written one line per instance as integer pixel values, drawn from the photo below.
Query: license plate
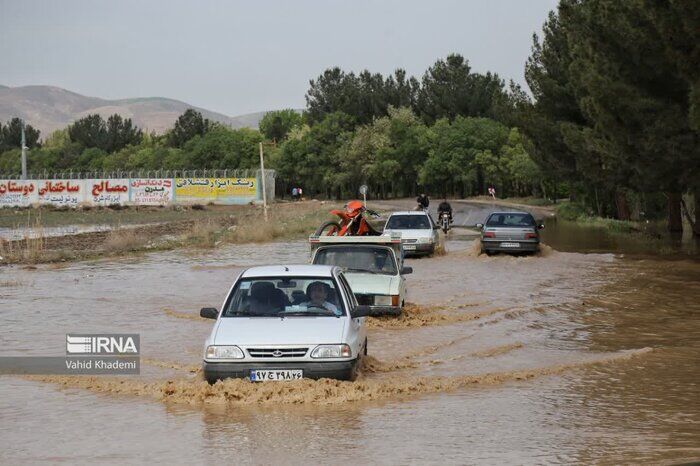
(410, 247)
(510, 245)
(275, 375)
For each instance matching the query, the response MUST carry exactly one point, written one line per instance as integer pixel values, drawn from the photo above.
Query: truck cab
(373, 266)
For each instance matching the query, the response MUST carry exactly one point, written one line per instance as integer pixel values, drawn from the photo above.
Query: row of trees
(448, 89)
(399, 154)
(93, 144)
(616, 102)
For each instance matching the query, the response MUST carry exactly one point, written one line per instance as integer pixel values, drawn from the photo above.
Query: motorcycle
(445, 222)
(352, 222)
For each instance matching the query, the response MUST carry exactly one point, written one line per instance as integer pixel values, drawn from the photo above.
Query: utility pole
(24, 153)
(262, 180)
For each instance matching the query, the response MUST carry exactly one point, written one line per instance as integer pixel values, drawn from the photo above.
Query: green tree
(635, 95)
(11, 135)
(275, 125)
(449, 89)
(121, 133)
(224, 148)
(89, 131)
(188, 125)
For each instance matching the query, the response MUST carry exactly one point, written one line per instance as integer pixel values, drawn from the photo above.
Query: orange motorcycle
(352, 222)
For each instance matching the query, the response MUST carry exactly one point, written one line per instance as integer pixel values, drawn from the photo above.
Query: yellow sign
(220, 190)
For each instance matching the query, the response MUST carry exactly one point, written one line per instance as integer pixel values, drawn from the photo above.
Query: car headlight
(425, 240)
(224, 352)
(382, 300)
(331, 351)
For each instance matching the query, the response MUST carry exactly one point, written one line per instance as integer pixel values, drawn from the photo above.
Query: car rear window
(358, 259)
(408, 222)
(510, 220)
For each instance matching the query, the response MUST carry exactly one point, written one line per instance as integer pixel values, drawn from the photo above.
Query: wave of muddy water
(564, 357)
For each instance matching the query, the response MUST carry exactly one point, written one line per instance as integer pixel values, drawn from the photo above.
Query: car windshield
(285, 296)
(510, 220)
(358, 259)
(408, 222)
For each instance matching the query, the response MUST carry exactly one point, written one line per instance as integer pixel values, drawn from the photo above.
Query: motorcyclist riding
(423, 201)
(445, 207)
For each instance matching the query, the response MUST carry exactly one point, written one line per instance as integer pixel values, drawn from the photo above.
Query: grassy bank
(141, 230)
(572, 212)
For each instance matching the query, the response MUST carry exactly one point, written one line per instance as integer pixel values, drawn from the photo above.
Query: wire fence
(120, 174)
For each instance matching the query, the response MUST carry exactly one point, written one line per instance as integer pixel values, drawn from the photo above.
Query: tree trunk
(696, 208)
(675, 222)
(623, 210)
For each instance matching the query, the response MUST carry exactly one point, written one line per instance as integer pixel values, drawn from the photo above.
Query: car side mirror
(209, 313)
(436, 227)
(374, 311)
(406, 270)
(480, 226)
(540, 226)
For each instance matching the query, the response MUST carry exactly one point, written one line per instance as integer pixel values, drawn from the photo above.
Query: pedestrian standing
(295, 193)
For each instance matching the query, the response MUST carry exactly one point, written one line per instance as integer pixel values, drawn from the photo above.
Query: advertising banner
(151, 191)
(107, 192)
(216, 190)
(16, 193)
(61, 193)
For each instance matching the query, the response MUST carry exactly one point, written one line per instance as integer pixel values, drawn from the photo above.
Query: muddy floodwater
(564, 357)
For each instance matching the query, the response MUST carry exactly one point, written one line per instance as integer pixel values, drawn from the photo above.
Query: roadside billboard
(125, 191)
(61, 193)
(107, 192)
(151, 191)
(16, 193)
(216, 190)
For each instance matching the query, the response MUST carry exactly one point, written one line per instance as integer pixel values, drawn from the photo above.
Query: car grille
(277, 352)
(409, 240)
(365, 299)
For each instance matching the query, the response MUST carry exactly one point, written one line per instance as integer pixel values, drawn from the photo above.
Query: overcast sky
(239, 57)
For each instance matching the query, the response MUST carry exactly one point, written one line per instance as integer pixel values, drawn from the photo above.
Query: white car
(418, 231)
(285, 323)
(373, 266)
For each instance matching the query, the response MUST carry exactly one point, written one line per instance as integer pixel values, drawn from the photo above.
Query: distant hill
(49, 108)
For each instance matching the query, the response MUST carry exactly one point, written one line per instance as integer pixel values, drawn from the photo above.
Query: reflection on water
(573, 237)
(565, 357)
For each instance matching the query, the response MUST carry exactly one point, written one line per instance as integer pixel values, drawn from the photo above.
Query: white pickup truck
(373, 266)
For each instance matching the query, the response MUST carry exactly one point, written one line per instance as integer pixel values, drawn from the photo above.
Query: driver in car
(316, 291)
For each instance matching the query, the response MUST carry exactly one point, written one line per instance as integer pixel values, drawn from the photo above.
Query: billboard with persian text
(128, 191)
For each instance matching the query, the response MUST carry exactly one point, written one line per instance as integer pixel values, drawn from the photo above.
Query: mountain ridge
(49, 108)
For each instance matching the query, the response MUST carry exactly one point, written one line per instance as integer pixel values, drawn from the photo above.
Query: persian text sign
(217, 190)
(107, 192)
(14, 193)
(151, 191)
(61, 193)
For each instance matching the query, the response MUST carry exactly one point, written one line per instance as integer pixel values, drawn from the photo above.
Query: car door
(402, 279)
(358, 331)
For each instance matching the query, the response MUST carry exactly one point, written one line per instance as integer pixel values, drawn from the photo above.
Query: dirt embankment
(151, 229)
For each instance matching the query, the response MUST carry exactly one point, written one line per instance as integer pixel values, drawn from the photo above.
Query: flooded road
(564, 357)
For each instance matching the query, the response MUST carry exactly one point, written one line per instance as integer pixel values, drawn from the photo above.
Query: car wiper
(307, 313)
(361, 271)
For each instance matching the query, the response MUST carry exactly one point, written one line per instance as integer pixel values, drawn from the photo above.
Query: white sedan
(418, 231)
(287, 322)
